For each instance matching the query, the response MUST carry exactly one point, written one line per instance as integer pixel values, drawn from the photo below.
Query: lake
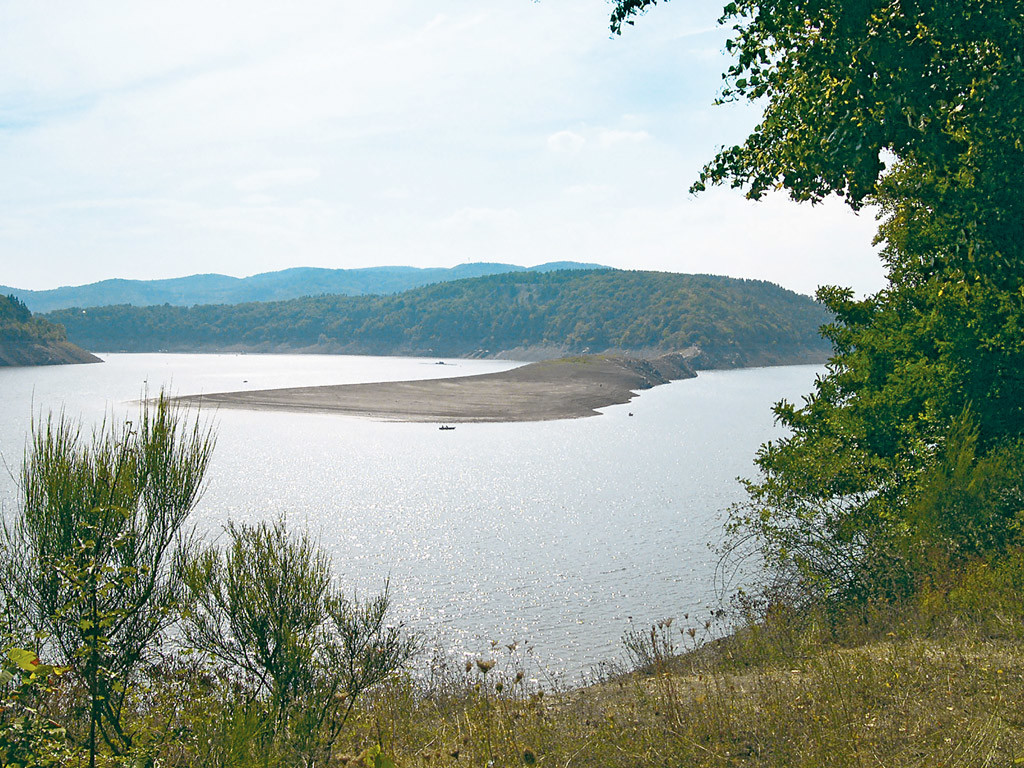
(559, 536)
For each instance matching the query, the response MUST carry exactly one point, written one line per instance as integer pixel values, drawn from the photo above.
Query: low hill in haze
(528, 315)
(268, 286)
(28, 340)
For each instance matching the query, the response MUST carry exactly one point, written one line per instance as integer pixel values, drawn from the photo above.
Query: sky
(149, 140)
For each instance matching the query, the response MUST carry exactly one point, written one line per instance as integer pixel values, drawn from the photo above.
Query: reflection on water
(554, 534)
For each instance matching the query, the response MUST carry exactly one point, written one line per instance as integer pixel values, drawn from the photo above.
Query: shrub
(90, 559)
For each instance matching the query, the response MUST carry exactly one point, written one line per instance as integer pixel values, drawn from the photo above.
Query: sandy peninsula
(568, 388)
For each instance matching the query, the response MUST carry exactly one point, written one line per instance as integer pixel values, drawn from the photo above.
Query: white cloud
(568, 142)
(153, 140)
(571, 142)
(266, 180)
(588, 193)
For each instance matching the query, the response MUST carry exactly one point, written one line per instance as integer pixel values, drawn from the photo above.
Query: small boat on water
(445, 427)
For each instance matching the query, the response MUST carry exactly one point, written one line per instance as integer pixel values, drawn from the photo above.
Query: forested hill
(268, 286)
(27, 340)
(525, 314)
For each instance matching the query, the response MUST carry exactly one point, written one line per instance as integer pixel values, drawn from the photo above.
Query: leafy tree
(936, 83)
(919, 109)
(29, 737)
(91, 557)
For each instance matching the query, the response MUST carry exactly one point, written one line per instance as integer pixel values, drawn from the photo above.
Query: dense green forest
(29, 340)
(266, 286)
(17, 323)
(733, 322)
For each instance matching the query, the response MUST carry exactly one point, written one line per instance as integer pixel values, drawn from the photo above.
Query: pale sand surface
(554, 389)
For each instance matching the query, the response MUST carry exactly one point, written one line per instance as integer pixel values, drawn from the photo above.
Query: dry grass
(936, 683)
(898, 702)
(939, 682)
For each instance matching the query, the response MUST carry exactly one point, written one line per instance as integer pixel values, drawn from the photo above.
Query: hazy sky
(157, 139)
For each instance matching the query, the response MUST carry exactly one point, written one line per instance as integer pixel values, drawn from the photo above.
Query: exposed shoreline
(42, 352)
(568, 388)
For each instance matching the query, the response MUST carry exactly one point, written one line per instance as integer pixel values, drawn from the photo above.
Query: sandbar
(567, 388)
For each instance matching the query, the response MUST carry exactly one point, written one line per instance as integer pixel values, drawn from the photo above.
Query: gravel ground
(553, 389)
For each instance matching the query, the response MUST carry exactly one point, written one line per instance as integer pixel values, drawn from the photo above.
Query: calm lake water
(557, 535)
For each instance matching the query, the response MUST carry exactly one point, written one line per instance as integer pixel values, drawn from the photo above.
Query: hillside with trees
(522, 314)
(904, 469)
(889, 629)
(28, 340)
(267, 286)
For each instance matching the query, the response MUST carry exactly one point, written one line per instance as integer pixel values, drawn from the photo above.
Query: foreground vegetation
(932, 683)
(936, 681)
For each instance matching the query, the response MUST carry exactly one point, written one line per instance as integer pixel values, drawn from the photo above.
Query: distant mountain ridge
(524, 315)
(268, 286)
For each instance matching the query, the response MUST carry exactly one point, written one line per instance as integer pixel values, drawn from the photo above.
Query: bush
(265, 606)
(90, 560)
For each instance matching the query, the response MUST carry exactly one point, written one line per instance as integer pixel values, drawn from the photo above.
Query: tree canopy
(18, 324)
(844, 82)
(916, 108)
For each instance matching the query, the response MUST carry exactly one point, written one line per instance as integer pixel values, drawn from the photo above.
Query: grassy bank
(934, 682)
(937, 681)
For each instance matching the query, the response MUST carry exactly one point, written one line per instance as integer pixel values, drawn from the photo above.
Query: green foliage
(885, 479)
(364, 649)
(844, 82)
(91, 558)
(734, 322)
(13, 310)
(261, 607)
(18, 325)
(29, 738)
(97, 564)
(968, 505)
(266, 607)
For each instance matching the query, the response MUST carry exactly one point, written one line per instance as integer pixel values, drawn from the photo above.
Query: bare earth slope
(554, 389)
(42, 352)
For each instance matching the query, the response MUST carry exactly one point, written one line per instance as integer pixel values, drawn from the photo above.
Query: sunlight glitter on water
(552, 533)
